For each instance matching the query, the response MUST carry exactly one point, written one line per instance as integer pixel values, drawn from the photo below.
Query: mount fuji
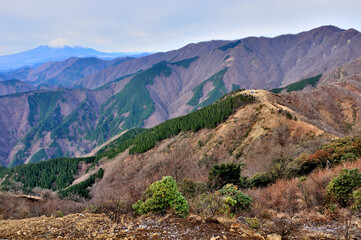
(56, 50)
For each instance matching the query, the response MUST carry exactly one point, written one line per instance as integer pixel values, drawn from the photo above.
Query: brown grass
(292, 196)
(255, 135)
(18, 208)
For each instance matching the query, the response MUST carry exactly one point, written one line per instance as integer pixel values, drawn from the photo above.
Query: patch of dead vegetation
(303, 205)
(98, 226)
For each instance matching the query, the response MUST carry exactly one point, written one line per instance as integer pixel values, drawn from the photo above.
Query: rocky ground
(99, 226)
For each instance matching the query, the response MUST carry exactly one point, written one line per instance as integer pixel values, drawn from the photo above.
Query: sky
(161, 25)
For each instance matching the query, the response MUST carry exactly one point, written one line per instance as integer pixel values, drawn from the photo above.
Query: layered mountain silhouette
(105, 97)
(54, 52)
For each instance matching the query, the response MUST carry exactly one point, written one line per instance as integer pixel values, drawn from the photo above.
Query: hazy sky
(161, 25)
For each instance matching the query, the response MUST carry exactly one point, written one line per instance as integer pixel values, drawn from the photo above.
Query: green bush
(190, 189)
(161, 196)
(277, 170)
(253, 222)
(58, 213)
(244, 182)
(226, 201)
(348, 157)
(212, 204)
(338, 151)
(356, 206)
(223, 174)
(341, 187)
(239, 201)
(261, 179)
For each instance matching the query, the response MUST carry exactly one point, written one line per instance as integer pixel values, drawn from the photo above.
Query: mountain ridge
(174, 84)
(281, 59)
(46, 53)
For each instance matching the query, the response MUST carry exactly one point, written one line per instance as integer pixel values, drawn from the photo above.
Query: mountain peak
(60, 43)
(327, 28)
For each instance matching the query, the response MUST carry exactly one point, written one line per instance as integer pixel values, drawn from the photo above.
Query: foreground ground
(99, 226)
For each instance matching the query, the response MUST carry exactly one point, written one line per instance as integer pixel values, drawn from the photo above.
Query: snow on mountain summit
(60, 43)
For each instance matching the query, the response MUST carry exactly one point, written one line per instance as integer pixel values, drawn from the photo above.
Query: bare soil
(99, 226)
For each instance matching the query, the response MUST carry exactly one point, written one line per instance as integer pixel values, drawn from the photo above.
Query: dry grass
(295, 195)
(254, 135)
(18, 208)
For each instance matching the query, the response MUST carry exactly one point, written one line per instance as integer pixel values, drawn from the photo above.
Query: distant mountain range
(63, 73)
(11, 86)
(46, 53)
(105, 97)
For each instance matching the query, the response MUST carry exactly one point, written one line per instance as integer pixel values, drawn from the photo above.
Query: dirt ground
(99, 226)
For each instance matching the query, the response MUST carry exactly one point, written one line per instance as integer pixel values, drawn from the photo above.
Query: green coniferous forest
(57, 174)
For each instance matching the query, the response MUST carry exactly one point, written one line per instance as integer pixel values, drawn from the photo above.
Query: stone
(274, 237)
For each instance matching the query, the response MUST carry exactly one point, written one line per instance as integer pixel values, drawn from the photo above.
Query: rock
(215, 238)
(274, 237)
(258, 236)
(242, 220)
(283, 216)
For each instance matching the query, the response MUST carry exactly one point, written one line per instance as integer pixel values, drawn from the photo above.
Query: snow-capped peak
(60, 43)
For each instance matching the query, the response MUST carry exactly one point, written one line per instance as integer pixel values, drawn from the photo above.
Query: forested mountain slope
(144, 92)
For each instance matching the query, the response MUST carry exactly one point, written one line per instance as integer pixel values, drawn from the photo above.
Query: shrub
(338, 151)
(210, 205)
(190, 189)
(161, 196)
(241, 201)
(114, 209)
(288, 115)
(341, 187)
(92, 208)
(278, 170)
(58, 213)
(227, 200)
(356, 206)
(348, 157)
(252, 222)
(305, 164)
(223, 174)
(245, 182)
(261, 179)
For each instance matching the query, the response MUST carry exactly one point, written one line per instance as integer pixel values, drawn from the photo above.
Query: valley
(93, 95)
(257, 138)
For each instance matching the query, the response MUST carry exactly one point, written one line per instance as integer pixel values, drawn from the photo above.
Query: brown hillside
(255, 135)
(335, 107)
(251, 63)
